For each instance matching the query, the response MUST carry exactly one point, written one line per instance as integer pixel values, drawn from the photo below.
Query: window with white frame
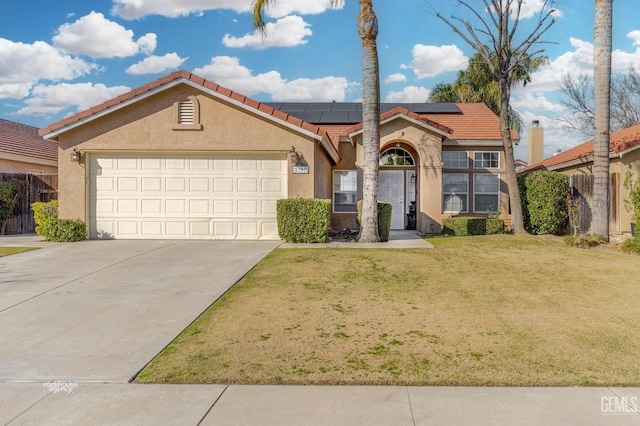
(455, 191)
(486, 192)
(486, 160)
(455, 160)
(345, 191)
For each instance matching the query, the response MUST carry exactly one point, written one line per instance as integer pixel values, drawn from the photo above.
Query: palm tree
(368, 30)
(602, 87)
(477, 84)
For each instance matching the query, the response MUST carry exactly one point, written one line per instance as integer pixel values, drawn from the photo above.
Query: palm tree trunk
(602, 86)
(368, 30)
(512, 182)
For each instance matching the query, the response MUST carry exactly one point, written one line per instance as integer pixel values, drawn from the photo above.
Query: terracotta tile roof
(335, 131)
(87, 114)
(477, 122)
(618, 142)
(20, 139)
(403, 111)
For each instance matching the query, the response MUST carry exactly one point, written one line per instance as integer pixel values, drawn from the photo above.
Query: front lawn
(481, 311)
(8, 251)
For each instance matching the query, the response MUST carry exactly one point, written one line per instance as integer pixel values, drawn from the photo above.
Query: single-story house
(23, 150)
(624, 157)
(185, 158)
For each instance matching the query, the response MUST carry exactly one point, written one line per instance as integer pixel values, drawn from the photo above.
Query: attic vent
(186, 112)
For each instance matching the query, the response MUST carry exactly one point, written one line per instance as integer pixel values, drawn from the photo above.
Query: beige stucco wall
(149, 126)
(12, 166)
(428, 147)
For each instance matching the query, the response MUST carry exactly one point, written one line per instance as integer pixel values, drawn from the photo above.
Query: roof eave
(405, 117)
(323, 139)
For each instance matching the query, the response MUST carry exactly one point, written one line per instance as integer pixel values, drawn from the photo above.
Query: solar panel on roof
(335, 117)
(318, 106)
(309, 116)
(346, 106)
(351, 112)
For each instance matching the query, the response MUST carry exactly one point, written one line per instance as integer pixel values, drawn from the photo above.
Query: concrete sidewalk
(128, 404)
(398, 239)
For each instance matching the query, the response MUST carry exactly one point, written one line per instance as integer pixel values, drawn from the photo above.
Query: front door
(391, 190)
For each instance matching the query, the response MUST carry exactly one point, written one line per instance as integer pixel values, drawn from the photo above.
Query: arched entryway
(398, 184)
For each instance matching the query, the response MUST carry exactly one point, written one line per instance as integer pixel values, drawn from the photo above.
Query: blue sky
(57, 58)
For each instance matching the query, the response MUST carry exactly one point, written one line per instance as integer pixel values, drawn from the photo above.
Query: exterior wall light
(76, 155)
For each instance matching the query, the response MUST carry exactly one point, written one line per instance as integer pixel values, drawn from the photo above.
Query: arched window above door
(396, 157)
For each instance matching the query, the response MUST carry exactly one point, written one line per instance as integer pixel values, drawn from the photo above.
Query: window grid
(486, 160)
(486, 193)
(345, 191)
(455, 191)
(455, 160)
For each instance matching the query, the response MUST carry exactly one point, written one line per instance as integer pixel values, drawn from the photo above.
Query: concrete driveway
(101, 310)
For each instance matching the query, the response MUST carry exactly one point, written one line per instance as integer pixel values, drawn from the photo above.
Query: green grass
(479, 311)
(8, 251)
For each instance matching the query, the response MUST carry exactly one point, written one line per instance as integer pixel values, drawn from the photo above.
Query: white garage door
(185, 196)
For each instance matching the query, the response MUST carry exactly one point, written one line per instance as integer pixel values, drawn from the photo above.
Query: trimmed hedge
(545, 202)
(304, 220)
(51, 228)
(384, 219)
(466, 225)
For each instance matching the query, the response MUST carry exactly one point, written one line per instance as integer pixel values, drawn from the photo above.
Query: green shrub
(466, 225)
(632, 202)
(546, 202)
(51, 228)
(10, 192)
(385, 211)
(631, 245)
(584, 241)
(304, 220)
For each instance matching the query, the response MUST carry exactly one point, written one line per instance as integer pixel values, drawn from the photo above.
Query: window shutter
(186, 112)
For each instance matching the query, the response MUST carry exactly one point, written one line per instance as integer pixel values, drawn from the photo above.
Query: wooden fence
(32, 188)
(582, 191)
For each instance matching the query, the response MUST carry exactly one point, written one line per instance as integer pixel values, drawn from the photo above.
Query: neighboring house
(624, 156)
(23, 150)
(182, 157)
(520, 164)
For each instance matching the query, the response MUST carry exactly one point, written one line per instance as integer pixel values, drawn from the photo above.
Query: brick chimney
(536, 143)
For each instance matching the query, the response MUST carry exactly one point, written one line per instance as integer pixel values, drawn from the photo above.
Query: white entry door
(391, 190)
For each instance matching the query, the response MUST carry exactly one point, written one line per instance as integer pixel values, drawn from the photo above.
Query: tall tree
(477, 84)
(368, 31)
(579, 99)
(602, 88)
(504, 55)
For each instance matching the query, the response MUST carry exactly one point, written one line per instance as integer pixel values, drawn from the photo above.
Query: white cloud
(285, 32)
(48, 100)
(537, 102)
(395, 78)
(156, 64)
(94, 35)
(409, 94)
(228, 72)
(135, 9)
(531, 8)
(22, 65)
(429, 61)
(579, 60)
